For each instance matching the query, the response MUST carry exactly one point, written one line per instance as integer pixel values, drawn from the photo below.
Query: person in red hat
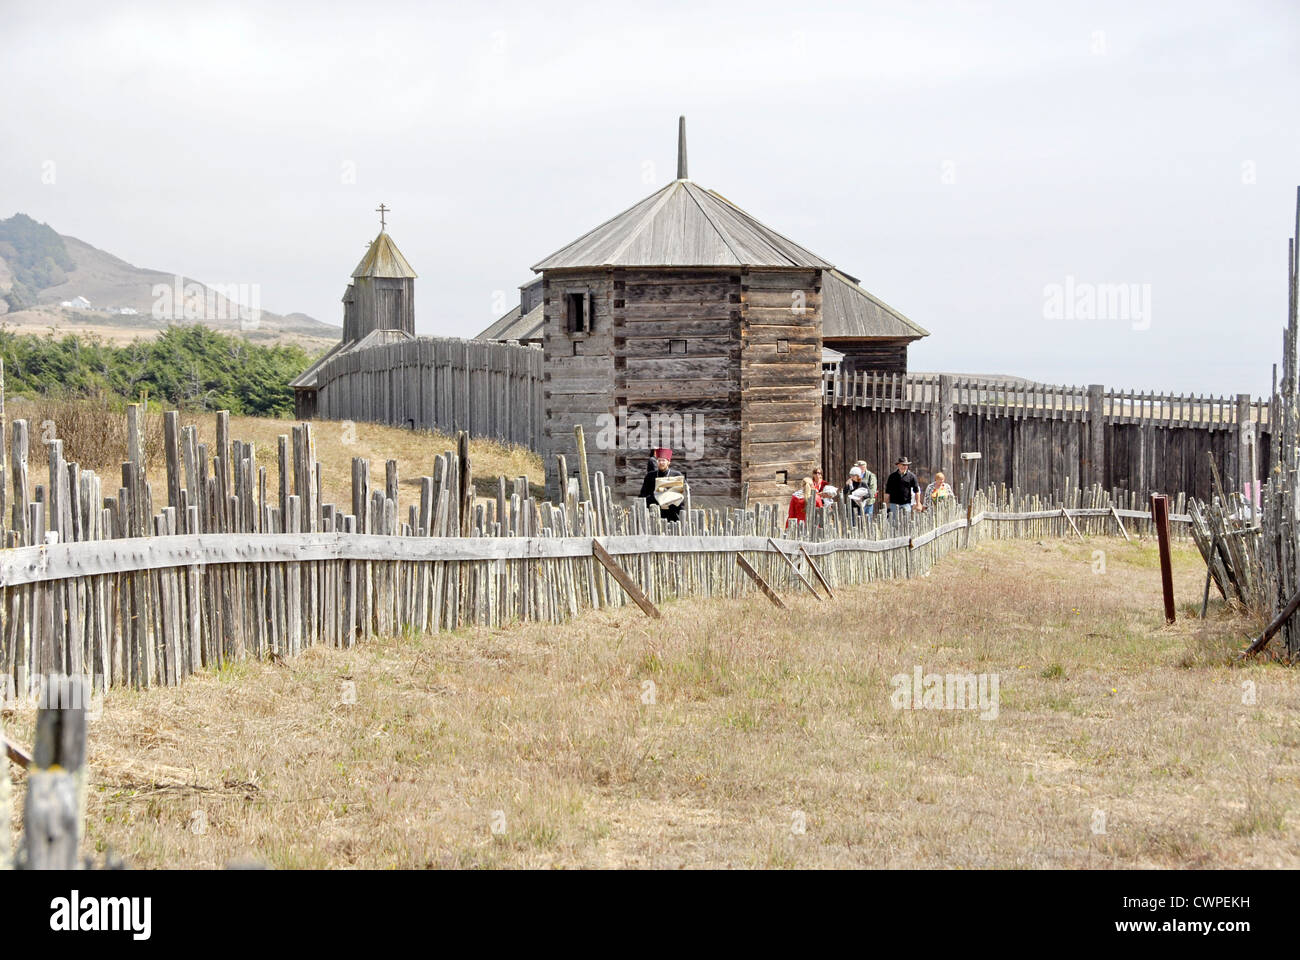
(669, 501)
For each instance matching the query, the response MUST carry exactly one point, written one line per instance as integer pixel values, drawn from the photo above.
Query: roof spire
(681, 148)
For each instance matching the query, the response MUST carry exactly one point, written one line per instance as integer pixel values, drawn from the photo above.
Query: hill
(41, 269)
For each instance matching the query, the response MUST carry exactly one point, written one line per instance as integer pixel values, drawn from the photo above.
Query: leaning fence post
(54, 811)
(626, 582)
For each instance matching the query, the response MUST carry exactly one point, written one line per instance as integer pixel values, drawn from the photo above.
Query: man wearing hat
(900, 488)
(669, 501)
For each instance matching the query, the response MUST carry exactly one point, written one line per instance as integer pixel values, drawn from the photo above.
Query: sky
(1076, 193)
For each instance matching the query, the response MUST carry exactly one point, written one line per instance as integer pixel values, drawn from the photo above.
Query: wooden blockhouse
(685, 305)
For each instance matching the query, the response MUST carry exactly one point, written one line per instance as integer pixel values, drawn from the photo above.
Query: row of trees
(190, 367)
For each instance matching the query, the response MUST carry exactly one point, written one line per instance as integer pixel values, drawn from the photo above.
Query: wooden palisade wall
(489, 390)
(1037, 439)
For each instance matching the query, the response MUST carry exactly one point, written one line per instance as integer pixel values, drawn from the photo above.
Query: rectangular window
(676, 346)
(783, 346)
(578, 311)
(781, 476)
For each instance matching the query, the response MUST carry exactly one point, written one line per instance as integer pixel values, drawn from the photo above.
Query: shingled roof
(512, 326)
(682, 225)
(849, 311)
(383, 259)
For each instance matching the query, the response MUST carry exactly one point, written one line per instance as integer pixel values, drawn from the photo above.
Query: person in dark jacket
(900, 488)
(670, 502)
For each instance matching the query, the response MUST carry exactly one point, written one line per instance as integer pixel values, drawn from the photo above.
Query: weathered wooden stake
(624, 581)
(6, 817)
(54, 812)
(1287, 613)
(1160, 517)
(1119, 523)
(1209, 570)
(816, 572)
(762, 584)
(790, 563)
(1065, 513)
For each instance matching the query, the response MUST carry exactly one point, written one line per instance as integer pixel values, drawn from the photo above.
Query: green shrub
(188, 367)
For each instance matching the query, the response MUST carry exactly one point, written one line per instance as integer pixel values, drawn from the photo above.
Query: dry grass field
(94, 435)
(770, 742)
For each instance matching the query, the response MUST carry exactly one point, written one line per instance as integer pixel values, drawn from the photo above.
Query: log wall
(883, 356)
(677, 358)
(578, 370)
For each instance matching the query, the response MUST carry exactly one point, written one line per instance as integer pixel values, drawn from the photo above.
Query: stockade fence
(489, 390)
(1036, 438)
(1039, 438)
(240, 564)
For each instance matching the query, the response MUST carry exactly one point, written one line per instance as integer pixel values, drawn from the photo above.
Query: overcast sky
(983, 168)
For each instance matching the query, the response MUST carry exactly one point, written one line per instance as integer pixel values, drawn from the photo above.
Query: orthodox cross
(381, 210)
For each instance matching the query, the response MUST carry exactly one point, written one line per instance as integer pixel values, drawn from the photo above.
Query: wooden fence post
(947, 429)
(54, 811)
(6, 817)
(1097, 434)
(1245, 448)
(1160, 517)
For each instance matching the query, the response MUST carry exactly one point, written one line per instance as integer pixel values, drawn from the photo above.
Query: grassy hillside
(94, 435)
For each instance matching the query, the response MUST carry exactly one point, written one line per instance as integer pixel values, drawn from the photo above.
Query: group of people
(664, 486)
(902, 492)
